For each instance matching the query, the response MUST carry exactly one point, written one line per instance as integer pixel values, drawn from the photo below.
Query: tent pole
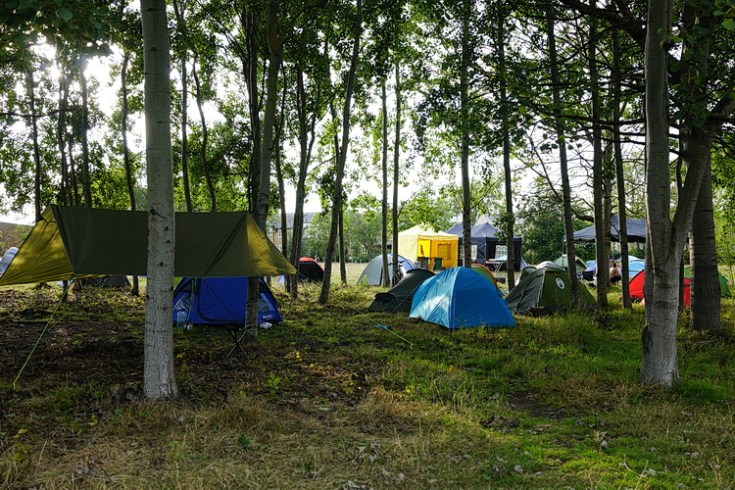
(38, 341)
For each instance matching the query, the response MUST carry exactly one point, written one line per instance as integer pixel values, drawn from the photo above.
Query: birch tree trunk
(158, 379)
(396, 176)
(660, 366)
(386, 275)
(465, 136)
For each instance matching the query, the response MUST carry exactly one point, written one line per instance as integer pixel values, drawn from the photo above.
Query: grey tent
(74, 242)
(372, 275)
(400, 296)
(636, 229)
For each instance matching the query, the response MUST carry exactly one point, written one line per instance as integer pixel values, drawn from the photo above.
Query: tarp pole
(38, 341)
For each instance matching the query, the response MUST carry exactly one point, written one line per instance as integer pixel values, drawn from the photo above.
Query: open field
(326, 400)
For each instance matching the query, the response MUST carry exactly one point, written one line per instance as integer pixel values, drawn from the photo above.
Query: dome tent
(400, 296)
(545, 288)
(460, 298)
(372, 275)
(221, 301)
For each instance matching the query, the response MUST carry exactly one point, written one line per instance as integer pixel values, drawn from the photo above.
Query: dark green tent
(74, 242)
(400, 296)
(545, 289)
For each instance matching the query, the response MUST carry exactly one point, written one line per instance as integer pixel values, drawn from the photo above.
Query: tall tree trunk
(705, 281)
(305, 145)
(342, 248)
(129, 174)
(659, 366)
(601, 233)
(34, 135)
(337, 196)
(159, 380)
(620, 171)
(65, 197)
(73, 174)
(250, 69)
(561, 141)
(396, 176)
(386, 274)
(266, 148)
(179, 13)
(505, 126)
(278, 131)
(465, 128)
(86, 174)
(206, 164)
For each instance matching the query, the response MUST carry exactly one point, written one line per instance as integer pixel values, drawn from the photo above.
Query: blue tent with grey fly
(460, 298)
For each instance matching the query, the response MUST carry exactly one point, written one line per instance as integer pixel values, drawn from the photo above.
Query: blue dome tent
(221, 301)
(459, 298)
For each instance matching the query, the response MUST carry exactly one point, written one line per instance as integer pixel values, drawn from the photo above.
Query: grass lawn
(328, 401)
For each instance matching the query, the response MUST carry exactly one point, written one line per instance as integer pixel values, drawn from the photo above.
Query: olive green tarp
(74, 242)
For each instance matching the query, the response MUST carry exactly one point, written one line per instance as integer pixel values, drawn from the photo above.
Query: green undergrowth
(337, 397)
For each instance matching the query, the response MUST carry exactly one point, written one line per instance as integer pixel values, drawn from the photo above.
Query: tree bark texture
(465, 135)
(386, 275)
(659, 365)
(159, 379)
(396, 176)
(705, 280)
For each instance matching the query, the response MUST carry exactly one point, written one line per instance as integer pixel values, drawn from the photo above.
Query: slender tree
(159, 379)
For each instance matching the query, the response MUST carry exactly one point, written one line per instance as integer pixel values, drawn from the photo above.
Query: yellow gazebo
(431, 250)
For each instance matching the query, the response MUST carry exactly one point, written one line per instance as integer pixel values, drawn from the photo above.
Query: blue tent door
(223, 300)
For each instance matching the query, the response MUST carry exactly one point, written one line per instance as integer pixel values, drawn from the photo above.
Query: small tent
(310, 270)
(639, 280)
(460, 298)
(433, 250)
(8, 257)
(545, 289)
(221, 301)
(724, 286)
(485, 272)
(580, 267)
(372, 275)
(400, 296)
(76, 242)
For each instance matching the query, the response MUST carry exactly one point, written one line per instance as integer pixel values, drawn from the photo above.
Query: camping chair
(437, 264)
(237, 340)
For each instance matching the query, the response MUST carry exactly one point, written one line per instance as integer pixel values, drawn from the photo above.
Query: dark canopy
(636, 231)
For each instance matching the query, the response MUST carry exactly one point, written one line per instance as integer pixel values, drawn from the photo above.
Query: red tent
(638, 281)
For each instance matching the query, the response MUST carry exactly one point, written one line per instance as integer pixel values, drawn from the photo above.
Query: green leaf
(65, 14)
(729, 24)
